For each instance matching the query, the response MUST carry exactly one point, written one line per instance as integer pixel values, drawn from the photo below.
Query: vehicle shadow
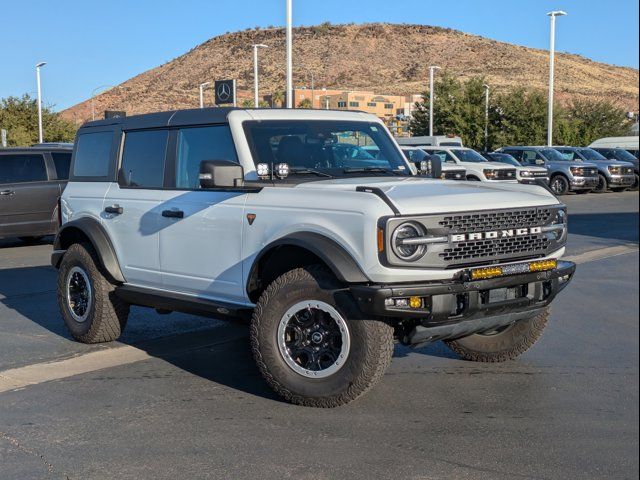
(617, 225)
(16, 242)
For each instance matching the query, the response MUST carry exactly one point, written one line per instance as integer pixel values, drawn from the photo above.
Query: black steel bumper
(464, 307)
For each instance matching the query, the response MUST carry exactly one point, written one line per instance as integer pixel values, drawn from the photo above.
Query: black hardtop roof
(170, 118)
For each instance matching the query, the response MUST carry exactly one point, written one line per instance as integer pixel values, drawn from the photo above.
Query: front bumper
(461, 307)
(622, 180)
(583, 183)
(542, 181)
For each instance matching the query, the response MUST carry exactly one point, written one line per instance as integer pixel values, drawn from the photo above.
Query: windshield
(330, 147)
(625, 155)
(468, 155)
(591, 154)
(553, 155)
(504, 158)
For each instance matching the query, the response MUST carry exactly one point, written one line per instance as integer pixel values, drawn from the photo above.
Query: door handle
(173, 213)
(116, 209)
(7, 192)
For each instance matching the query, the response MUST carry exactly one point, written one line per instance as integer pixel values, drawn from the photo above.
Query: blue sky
(88, 43)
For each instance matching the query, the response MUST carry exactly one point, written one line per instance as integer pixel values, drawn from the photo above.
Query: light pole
(40, 134)
(256, 96)
(486, 117)
(201, 87)
(432, 69)
(93, 94)
(289, 39)
(552, 55)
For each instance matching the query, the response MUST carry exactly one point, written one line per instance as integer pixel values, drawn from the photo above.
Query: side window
(444, 156)
(197, 144)
(22, 168)
(93, 153)
(568, 154)
(62, 161)
(143, 159)
(529, 157)
(517, 154)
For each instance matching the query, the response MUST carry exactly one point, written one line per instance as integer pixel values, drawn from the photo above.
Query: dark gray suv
(31, 182)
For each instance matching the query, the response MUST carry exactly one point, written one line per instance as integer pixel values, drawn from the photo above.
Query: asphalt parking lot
(179, 396)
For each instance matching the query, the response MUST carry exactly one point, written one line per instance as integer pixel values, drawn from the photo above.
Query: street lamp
(289, 40)
(552, 55)
(40, 134)
(93, 94)
(486, 117)
(256, 96)
(201, 88)
(432, 69)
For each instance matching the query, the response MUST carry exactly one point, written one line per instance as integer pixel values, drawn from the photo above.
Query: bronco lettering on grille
(514, 232)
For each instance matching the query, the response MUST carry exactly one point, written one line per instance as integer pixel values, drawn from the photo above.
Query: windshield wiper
(310, 171)
(372, 169)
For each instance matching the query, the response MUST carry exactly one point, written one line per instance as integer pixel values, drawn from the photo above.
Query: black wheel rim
(313, 339)
(79, 294)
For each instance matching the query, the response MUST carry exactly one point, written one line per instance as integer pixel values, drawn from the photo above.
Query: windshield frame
(397, 163)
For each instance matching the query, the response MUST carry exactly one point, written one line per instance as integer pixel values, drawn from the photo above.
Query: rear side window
(197, 144)
(444, 156)
(93, 154)
(62, 161)
(143, 159)
(22, 168)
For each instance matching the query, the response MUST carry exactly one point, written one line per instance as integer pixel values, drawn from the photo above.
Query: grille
(489, 221)
(628, 171)
(505, 174)
(479, 249)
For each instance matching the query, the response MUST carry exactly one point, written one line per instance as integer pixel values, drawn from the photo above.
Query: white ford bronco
(259, 214)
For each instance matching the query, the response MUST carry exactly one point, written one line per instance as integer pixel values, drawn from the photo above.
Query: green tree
(305, 103)
(583, 121)
(278, 98)
(19, 116)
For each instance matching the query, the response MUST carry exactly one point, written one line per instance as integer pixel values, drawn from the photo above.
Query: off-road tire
(371, 341)
(108, 314)
(602, 186)
(503, 346)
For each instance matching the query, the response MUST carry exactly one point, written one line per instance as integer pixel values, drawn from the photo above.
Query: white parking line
(37, 373)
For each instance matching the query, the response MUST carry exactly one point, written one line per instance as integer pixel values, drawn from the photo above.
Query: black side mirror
(221, 173)
(430, 166)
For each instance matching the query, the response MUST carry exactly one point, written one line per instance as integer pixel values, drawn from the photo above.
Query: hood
(414, 196)
(494, 165)
(574, 163)
(533, 169)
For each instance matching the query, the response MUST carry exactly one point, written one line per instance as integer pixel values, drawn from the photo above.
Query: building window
(342, 104)
(388, 106)
(372, 104)
(354, 104)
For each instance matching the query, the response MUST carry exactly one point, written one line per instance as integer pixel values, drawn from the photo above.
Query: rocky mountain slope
(385, 58)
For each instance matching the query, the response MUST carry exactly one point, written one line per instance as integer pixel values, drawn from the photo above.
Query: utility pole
(289, 41)
(40, 133)
(486, 118)
(256, 95)
(202, 86)
(552, 56)
(432, 69)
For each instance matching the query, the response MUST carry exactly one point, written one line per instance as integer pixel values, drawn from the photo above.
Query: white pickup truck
(268, 215)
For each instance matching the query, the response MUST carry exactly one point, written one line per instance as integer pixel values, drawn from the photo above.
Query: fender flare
(98, 237)
(339, 261)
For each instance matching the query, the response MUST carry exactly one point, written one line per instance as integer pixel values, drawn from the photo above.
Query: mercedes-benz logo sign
(224, 92)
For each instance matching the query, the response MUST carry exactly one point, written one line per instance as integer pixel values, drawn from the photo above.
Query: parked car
(630, 144)
(427, 141)
(330, 263)
(31, 182)
(448, 171)
(623, 156)
(478, 168)
(527, 175)
(564, 175)
(612, 174)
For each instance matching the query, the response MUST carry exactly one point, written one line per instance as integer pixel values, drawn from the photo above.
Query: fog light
(543, 265)
(415, 302)
(402, 302)
(484, 273)
(389, 302)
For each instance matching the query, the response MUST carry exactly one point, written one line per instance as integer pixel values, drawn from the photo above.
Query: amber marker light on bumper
(502, 271)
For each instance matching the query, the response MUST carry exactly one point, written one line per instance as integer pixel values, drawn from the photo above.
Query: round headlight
(401, 241)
